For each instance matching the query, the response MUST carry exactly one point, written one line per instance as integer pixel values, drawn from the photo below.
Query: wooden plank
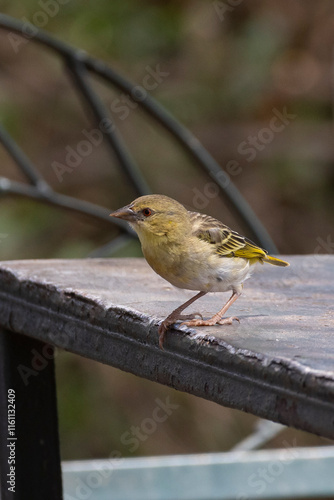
(277, 364)
(269, 474)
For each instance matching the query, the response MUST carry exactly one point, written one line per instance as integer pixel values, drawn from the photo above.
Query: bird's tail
(274, 261)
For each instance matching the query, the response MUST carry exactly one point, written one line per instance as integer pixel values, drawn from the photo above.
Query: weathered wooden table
(278, 363)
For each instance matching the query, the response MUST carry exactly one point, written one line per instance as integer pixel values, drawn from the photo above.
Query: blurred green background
(227, 72)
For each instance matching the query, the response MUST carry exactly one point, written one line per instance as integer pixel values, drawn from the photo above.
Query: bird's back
(228, 243)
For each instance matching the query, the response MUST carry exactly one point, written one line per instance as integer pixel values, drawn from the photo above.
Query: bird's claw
(210, 322)
(170, 321)
(162, 332)
(191, 321)
(228, 321)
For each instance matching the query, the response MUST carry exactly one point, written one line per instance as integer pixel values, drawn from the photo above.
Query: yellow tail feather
(275, 261)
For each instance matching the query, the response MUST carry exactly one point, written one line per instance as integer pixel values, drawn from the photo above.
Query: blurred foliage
(227, 72)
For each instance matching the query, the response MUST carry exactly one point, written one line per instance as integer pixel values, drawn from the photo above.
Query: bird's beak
(125, 213)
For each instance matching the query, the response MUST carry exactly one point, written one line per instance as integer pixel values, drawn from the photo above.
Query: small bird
(192, 251)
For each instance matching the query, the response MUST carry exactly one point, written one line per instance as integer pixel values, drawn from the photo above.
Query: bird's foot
(211, 322)
(170, 320)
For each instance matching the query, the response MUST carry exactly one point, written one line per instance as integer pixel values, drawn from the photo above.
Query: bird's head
(155, 215)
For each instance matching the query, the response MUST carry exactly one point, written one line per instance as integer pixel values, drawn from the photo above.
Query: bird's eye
(147, 212)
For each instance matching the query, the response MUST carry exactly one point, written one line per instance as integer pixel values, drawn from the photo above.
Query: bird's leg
(175, 315)
(218, 317)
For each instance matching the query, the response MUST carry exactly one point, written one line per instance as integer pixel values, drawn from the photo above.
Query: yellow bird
(193, 251)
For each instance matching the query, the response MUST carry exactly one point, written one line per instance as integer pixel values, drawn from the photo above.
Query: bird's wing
(227, 243)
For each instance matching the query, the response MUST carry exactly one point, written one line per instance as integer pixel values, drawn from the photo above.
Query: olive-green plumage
(192, 251)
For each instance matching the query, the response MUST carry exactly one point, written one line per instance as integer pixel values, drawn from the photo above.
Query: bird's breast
(196, 267)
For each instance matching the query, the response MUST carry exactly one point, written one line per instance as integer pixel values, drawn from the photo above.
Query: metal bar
(264, 432)
(33, 33)
(8, 186)
(23, 161)
(30, 458)
(272, 474)
(80, 76)
(180, 133)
